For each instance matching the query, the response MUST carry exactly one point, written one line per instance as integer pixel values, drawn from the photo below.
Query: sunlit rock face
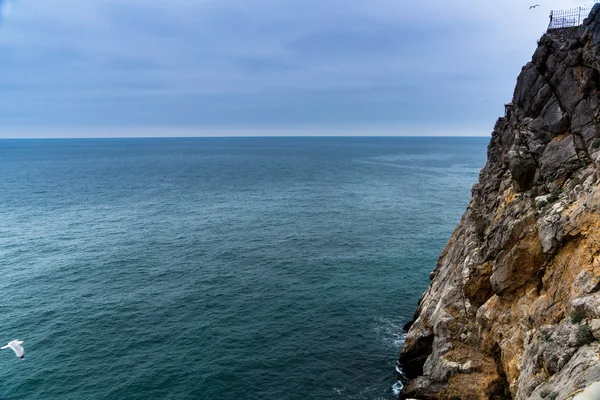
(513, 309)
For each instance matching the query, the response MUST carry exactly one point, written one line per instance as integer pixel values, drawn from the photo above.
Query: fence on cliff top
(569, 18)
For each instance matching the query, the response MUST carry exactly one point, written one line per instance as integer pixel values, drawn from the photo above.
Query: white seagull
(15, 346)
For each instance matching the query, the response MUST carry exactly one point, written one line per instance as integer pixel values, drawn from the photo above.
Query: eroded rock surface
(513, 310)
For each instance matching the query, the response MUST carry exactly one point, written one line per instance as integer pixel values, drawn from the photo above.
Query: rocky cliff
(513, 309)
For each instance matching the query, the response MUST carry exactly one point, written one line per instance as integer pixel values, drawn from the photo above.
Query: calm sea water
(231, 268)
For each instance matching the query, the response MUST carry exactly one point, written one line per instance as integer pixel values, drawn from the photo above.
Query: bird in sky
(537, 5)
(15, 346)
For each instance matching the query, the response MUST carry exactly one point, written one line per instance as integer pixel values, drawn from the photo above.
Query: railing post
(567, 18)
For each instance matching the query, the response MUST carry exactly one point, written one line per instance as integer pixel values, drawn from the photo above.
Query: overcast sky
(261, 67)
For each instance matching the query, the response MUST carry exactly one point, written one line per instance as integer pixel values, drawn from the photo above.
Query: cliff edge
(513, 309)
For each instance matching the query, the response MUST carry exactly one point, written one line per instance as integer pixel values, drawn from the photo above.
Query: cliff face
(513, 309)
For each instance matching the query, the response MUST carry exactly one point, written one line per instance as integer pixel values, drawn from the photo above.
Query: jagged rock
(513, 308)
(522, 166)
(559, 158)
(581, 369)
(586, 283)
(595, 328)
(558, 346)
(553, 119)
(421, 388)
(588, 305)
(512, 269)
(549, 227)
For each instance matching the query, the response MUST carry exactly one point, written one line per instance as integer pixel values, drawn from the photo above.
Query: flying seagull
(537, 5)
(15, 346)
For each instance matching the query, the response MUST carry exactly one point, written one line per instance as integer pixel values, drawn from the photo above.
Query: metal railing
(568, 18)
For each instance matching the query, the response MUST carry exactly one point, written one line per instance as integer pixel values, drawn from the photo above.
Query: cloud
(234, 64)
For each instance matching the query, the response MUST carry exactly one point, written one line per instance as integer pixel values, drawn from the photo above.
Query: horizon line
(238, 136)
(200, 132)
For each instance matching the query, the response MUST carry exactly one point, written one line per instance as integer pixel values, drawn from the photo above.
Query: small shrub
(547, 337)
(543, 204)
(554, 194)
(566, 358)
(553, 395)
(544, 393)
(584, 334)
(533, 205)
(596, 144)
(577, 317)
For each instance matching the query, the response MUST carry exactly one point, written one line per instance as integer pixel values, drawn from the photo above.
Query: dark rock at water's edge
(513, 309)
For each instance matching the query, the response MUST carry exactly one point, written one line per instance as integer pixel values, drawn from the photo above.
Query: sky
(89, 68)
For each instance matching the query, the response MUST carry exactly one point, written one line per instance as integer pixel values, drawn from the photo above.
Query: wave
(391, 331)
(397, 388)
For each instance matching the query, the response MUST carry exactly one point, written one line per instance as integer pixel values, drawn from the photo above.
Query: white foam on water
(397, 388)
(390, 331)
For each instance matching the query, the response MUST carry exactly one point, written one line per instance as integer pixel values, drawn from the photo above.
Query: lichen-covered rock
(513, 308)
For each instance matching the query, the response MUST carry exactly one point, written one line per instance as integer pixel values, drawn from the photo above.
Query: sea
(220, 268)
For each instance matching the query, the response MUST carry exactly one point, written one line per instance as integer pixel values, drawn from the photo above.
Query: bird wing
(18, 349)
(4, 347)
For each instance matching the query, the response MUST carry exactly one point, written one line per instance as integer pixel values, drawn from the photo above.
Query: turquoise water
(231, 268)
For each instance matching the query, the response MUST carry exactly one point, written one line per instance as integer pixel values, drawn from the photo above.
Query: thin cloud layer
(184, 65)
